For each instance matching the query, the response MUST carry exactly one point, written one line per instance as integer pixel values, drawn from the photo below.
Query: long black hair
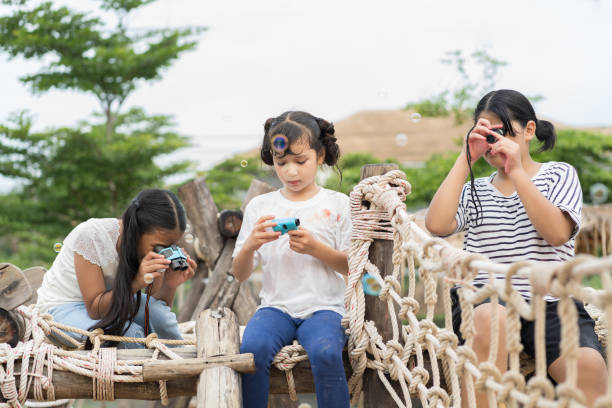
(508, 105)
(295, 125)
(151, 210)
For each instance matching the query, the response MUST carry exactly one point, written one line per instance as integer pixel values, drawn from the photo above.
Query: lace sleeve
(92, 242)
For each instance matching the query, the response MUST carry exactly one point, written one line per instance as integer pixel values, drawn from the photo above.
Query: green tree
(477, 76)
(86, 54)
(69, 174)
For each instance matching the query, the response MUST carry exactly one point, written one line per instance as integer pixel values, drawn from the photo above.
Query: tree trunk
(202, 212)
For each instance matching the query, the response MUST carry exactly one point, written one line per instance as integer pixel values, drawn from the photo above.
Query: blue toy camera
(178, 260)
(285, 225)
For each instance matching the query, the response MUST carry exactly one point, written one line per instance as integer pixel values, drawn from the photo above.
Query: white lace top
(96, 241)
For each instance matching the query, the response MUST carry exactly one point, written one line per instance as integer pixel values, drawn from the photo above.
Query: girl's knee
(483, 324)
(590, 361)
(326, 358)
(263, 350)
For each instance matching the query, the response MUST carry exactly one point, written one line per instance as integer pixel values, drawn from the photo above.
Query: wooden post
(217, 334)
(381, 251)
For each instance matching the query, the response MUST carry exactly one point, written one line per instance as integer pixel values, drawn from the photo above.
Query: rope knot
(419, 376)
(151, 340)
(408, 306)
(488, 370)
(390, 282)
(94, 336)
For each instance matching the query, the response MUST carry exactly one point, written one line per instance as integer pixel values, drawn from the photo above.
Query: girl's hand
(302, 241)
(510, 151)
(173, 279)
(260, 235)
(153, 265)
(477, 139)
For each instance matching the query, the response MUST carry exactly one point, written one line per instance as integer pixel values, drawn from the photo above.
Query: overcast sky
(336, 57)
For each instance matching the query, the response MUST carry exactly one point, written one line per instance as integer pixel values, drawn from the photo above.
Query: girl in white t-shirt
(303, 286)
(97, 278)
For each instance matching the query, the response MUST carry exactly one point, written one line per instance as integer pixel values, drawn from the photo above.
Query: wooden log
(256, 188)
(70, 385)
(15, 289)
(35, 276)
(12, 327)
(198, 286)
(381, 251)
(245, 303)
(218, 334)
(156, 370)
(222, 287)
(229, 223)
(202, 212)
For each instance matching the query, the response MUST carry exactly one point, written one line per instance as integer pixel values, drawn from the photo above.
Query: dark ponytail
(151, 210)
(295, 125)
(545, 132)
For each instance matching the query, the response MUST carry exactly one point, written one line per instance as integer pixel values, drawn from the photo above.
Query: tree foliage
(92, 169)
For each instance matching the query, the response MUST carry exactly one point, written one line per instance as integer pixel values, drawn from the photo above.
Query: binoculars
(491, 139)
(285, 225)
(178, 260)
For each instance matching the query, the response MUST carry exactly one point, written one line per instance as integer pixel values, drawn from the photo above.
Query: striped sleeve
(462, 209)
(566, 193)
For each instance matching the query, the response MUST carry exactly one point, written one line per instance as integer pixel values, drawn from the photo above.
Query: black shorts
(586, 326)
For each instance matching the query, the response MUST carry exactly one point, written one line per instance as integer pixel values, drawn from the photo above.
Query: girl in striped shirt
(523, 211)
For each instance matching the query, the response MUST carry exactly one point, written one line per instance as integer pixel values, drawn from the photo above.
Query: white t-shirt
(300, 284)
(96, 241)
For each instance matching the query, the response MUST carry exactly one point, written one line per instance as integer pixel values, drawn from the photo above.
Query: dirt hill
(377, 132)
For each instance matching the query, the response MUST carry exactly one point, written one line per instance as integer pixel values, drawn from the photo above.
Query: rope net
(379, 212)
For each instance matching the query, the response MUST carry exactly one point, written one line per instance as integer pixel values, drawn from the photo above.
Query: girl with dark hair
(524, 211)
(303, 286)
(97, 277)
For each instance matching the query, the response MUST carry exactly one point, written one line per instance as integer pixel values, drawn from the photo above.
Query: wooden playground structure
(393, 358)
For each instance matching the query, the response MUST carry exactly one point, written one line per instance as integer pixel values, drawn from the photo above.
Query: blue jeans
(321, 335)
(161, 321)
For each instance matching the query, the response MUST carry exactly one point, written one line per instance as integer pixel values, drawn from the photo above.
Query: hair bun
(327, 128)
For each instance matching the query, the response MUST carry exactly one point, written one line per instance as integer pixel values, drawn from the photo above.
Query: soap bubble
(415, 117)
(382, 93)
(244, 163)
(280, 143)
(599, 193)
(401, 139)
(57, 247)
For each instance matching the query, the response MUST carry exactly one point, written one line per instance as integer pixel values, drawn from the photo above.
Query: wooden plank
(217, 334)
(15, 289)
(175, 369)
(202, 212)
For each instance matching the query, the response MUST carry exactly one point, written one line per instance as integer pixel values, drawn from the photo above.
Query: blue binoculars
(285, 225)
(178, 260)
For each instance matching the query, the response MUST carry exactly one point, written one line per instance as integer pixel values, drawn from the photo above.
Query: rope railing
(386, 218)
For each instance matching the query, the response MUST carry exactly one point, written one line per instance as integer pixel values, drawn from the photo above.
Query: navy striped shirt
(504, 232)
